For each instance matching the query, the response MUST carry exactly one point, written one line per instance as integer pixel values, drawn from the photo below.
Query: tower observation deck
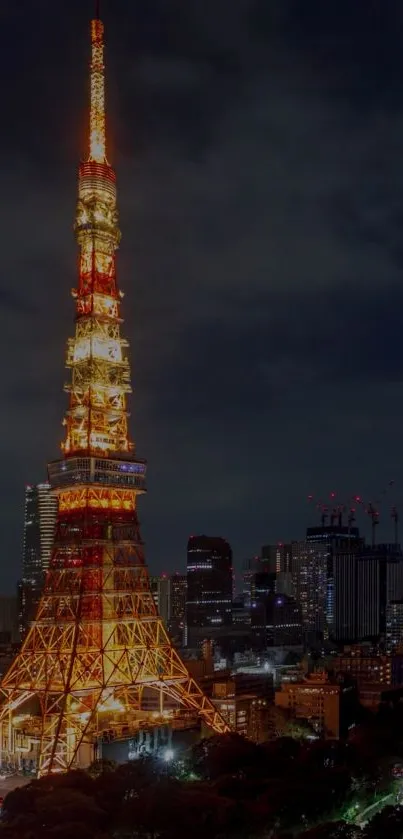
(97, 640)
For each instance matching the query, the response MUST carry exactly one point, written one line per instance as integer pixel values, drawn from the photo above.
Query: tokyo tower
(97, 640)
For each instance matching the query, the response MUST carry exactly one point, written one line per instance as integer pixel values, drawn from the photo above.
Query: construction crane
(334, 511)
(371, 508)
(322, 508)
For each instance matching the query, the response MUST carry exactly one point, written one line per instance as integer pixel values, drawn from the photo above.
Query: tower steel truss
(97, 641)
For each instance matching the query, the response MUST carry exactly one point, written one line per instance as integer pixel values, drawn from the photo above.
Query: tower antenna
(97, 111)
(97, 12)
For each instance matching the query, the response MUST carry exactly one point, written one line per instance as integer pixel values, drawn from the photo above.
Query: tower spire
(97, 641)
(97, 114)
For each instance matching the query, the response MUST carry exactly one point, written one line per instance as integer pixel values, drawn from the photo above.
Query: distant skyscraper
(277, 558)
(209, 586)
(178, 607)
(394, 626)
(39, 528)
(264, 584)
(161, 589)
(330, 539)
(249, 569)
(366, 581)
(276, 621)
(8, 620)
(275, 564)
(344, 580)
(310, 580)
(379, 581)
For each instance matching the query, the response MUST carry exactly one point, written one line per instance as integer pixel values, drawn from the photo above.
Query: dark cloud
(258, 150)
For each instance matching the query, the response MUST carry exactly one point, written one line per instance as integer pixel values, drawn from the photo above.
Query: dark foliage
(388, 823)
(332, 830)
(243, 790)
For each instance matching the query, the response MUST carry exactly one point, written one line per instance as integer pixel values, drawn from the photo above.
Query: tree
(101, 767)
(331, 830)
(226, 754)
(388, 823)
(50, 808)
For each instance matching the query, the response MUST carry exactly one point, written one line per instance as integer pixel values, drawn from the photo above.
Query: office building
(316, 701)
(241, 614)
(161, 591)
(9, 629)
(39, 528)
(243, 701)
(394, 626)
(178, 607)
(285, 584)
(277, 558)
(249, 569)
(330, 540)
(367, 667)
(366, 581)
(264, 584)
(344, 582)
(276, 621)
(309, 572)
(379, 581)
(209, 587)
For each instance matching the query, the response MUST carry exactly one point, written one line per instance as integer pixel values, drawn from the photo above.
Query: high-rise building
(209, 586)
(249, 570)
(161, 589)
(394, 626)
(97, 640)
(329, 540)
(366, 581)
(39, 530)
(169, 593)
(285, 584)
(8, 620)
(264, 584)
(178, 607)
(277, 558)
(309, 571)
(276, 621)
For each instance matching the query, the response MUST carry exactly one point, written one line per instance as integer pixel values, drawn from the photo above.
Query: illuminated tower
(97, 641)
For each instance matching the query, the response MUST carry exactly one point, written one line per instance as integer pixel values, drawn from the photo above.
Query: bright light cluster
(123, 500)
(96, 347)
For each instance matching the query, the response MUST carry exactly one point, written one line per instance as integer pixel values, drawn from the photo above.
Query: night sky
(259, 148)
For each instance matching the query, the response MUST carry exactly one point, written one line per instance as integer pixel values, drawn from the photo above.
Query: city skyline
(262, 226)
